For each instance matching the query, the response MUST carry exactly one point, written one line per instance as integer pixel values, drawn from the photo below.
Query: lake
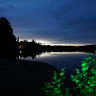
(69, 60)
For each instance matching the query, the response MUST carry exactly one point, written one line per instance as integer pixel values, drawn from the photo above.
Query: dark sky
(53, 21)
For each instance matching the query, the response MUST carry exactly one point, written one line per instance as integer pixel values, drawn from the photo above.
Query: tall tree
(7, 39)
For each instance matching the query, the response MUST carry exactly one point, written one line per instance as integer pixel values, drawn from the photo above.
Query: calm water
(69, 60)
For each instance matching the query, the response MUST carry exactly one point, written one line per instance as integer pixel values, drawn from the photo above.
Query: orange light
(20, 46)
(20, 52)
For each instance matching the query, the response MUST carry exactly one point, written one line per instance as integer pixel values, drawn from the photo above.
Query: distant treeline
(33, 48)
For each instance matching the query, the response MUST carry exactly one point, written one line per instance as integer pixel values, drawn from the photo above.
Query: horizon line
(43, 42)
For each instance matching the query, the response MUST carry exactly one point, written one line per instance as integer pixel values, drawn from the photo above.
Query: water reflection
(46, 54)
(69, 60)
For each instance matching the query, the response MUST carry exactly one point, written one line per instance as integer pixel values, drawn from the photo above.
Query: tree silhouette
(7, 39)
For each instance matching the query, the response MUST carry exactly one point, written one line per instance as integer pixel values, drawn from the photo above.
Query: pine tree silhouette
(7, 39)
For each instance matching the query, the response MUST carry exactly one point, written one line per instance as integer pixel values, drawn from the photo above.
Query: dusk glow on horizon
(52, 22)
(45, 42)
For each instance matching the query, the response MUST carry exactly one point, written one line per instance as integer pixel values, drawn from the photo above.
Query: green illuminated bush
(85, 80)
(54, 88)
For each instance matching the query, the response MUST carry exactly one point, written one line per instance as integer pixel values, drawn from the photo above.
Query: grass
(85, 80)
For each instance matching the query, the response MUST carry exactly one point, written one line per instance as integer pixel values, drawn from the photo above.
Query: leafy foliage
(54, 88)
(85, 80)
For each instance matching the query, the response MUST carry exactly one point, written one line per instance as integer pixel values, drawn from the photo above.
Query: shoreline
(23, 78)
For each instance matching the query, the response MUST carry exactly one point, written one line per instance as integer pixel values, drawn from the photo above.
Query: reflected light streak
(46, 54)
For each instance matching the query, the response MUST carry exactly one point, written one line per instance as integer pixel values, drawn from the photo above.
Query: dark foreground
(23, 78)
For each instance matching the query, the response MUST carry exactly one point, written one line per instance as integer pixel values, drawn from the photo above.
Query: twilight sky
(52, 21)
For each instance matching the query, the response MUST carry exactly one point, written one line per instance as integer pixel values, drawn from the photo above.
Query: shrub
(85, 80)
(54, 88)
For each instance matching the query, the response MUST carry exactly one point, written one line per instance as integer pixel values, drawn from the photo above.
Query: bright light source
(43, 42)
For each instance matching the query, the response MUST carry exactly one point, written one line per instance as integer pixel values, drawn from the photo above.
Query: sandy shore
(23, 78)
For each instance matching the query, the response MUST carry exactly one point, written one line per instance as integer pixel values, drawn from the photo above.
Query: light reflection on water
(47, 54)
(69, 60)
